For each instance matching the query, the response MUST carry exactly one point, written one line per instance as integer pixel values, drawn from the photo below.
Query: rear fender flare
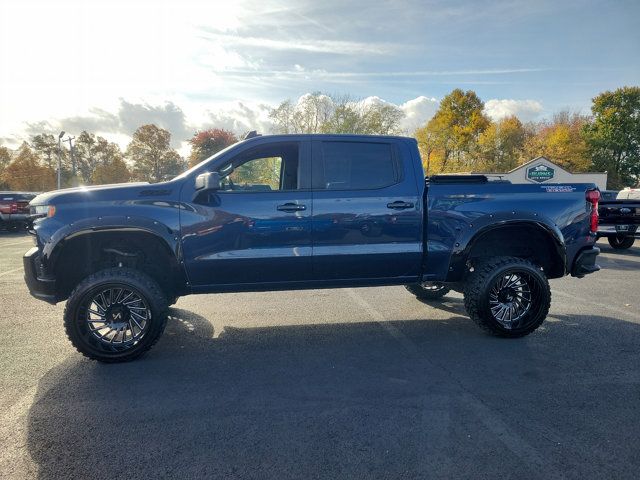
(491, 222)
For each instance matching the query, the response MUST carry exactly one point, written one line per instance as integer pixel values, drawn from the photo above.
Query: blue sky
(106, 66)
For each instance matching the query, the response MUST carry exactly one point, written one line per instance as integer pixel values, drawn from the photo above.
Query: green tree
(500, 145)
(613, 138)
(561, 140)
(451, 136)
(152, 156)
(308, 115)
(93, 151)
(115, 171)
(206, 143)
(321, 113)
(45, 146)
(26, 172)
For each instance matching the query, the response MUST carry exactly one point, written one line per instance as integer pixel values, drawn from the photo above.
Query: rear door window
(356, 166)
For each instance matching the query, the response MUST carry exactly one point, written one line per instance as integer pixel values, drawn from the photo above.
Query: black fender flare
(168, 237)
(495, 221)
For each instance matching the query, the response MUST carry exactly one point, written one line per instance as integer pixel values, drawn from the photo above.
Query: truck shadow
(435, 398)
(631, 252)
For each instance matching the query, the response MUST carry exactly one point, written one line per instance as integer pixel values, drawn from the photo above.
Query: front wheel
(507, 296)
(428, 290)
(621, 243)
(115, 315)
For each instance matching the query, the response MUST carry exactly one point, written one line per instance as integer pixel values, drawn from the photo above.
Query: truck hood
(120, 191)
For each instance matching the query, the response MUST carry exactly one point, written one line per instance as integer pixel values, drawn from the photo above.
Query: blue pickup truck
(288, 212)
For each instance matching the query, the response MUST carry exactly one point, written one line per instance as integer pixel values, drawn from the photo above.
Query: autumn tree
(5, 159)
(561, 140)
(26, 172)
(206, 143)
(45, 146)
(92, 152)
(114, 171)
(613, 138)
(500, 146)
(452, 134)
(152, 156)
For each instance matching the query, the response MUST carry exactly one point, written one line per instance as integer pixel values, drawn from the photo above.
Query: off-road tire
(424, 294)
(621, 243)
(482, 280)
(144, 285)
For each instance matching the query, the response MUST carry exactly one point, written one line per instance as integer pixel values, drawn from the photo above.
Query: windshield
(201, 164)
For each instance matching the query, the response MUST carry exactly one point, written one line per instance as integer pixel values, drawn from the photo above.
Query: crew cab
(288, 212)
(620, 217)
(14, 210)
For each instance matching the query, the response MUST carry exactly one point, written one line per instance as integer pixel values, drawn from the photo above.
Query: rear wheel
(621, 243)
(428, 290)
(507, 296)
(115, 315)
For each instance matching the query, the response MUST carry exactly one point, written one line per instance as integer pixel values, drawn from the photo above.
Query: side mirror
(208, 181)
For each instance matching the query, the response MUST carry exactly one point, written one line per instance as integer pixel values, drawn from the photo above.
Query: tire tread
(477, 280)
(134, 277)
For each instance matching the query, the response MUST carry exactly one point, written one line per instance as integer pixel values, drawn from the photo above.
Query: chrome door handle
(291, 207)
(399, 205)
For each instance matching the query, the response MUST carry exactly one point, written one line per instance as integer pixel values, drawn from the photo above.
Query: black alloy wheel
(507, 296)
(115, 315)
(428, 290)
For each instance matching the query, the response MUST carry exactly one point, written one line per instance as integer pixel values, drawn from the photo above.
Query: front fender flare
(51, 250)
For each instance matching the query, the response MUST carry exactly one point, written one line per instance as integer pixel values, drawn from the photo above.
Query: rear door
(367, 216)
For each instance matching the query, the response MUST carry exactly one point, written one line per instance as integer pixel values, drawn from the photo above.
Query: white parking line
(391, 329)
(491, 419)
(24, 242)
(10, 271)
(630, 313)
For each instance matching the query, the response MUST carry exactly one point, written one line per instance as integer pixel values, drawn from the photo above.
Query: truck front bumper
(40, 285)
(585, 262)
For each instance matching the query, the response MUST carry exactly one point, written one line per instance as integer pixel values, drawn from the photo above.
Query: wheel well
(527, 241)
(88, 253)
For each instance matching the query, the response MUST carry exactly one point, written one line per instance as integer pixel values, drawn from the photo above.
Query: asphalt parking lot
(354, 383)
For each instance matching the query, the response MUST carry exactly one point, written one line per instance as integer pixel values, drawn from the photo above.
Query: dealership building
(541, 170)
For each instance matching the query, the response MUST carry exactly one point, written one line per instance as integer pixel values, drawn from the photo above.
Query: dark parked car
(14, 210)
(619, 218)
(304, 211)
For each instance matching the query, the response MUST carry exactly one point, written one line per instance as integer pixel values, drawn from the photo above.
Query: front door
(255, 230)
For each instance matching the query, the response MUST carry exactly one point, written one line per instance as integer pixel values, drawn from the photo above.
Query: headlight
(44, 210)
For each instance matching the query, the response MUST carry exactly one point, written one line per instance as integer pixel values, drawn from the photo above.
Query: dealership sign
(540, 173)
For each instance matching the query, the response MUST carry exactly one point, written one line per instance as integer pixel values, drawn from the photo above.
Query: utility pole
(60, 159)
(73, 160)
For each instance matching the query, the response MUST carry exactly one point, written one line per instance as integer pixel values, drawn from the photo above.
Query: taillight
(593, 197)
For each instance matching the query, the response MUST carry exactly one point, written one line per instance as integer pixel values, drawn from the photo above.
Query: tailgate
(618, 213)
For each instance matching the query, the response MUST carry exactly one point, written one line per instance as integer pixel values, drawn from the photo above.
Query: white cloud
(525, 110)
(334, 47)
(240, 118)
(418, 111)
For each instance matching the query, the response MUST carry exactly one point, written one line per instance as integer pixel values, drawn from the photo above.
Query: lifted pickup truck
(619, 218)
(304, 211)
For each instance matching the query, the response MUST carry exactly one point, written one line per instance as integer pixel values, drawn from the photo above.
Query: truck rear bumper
(585, 262)
(612, 231)
(15, 217)
(40, 286)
